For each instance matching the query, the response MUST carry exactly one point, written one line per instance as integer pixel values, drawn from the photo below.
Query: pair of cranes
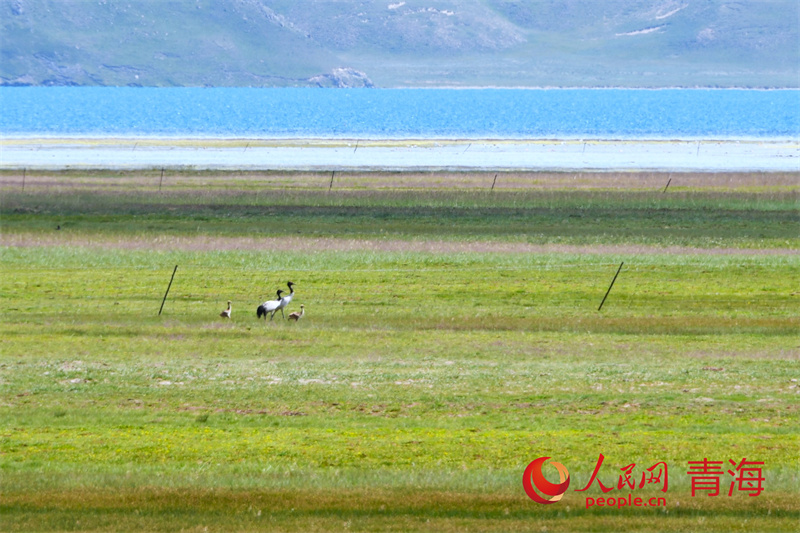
(272, 306)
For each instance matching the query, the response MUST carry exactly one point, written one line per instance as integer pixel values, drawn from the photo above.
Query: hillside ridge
(395, 43)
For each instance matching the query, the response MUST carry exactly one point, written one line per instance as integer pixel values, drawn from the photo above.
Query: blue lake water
(401, 113)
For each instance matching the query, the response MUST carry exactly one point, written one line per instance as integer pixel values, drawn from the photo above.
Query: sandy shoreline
(400, 155)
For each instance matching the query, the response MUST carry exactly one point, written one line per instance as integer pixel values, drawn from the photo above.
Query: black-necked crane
(270, 306)
(297, 316)
(227, 312)
(287, 299)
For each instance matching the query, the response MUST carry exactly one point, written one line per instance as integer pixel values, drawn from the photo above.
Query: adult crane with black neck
(287, 299)
(270, 306)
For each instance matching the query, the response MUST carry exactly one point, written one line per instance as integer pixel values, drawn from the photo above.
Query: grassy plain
(451, 337)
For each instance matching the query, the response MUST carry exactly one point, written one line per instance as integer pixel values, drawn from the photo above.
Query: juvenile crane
(297, 316)
(270, 306)
(227, 312)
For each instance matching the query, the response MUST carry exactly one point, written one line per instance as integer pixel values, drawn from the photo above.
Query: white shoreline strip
(388, 155)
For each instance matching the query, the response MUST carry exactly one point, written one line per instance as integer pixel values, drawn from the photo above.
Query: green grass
(753, 214)
(412, 394)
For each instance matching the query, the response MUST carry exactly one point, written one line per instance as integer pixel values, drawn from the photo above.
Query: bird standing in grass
(227, 312)
(287, 299)
(297, 316)
(270, 306)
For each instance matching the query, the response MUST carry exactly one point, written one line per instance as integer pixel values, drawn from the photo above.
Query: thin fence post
(168, 287)
(609, 287)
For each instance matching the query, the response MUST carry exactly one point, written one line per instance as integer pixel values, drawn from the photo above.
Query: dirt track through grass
(301, 244)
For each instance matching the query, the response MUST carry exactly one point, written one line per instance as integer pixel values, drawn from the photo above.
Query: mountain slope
(398, 43)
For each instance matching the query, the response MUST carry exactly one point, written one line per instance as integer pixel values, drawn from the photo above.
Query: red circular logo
(533, 477)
